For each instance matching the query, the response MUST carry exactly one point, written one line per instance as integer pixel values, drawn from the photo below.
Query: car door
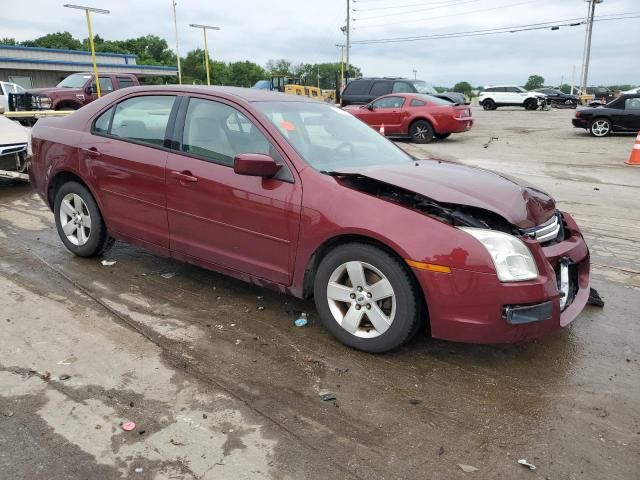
(513, 96)
(242, 224)
(124, 159)
(385, 111)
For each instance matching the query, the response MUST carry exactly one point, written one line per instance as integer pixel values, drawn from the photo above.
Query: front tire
(421, 131)
(530, 104)
(489, 104)
(366, 298)
(79, 221)
(600, 127)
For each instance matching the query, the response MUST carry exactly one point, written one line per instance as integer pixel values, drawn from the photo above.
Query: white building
(34, 67)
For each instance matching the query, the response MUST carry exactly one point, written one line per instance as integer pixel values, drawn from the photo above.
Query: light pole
(175, 26)
(348, 34)
(341, 46)
(206, 46)
(587, 52)
(93, 50)
(415, 74)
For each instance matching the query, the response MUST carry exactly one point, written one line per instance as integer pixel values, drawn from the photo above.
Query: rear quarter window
(417, 103)
(358, 87)
(125, 82)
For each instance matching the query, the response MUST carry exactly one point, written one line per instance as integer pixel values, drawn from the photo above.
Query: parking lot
(221, 384)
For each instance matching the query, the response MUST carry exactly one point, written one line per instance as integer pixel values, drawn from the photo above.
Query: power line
(571, 22)
(449, 14)
(395, 7)
(418, 10)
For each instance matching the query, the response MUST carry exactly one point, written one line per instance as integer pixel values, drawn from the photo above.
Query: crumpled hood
(518, 202)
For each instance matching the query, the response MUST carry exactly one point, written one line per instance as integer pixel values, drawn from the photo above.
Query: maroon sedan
(414, 115)
(300, 196)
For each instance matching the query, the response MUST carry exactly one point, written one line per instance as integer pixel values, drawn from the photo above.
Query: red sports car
(417, 116)
(300, 196)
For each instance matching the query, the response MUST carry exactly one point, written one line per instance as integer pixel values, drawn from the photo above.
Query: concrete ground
(220, 389)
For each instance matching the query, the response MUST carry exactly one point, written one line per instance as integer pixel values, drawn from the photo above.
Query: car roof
(241, 93)
(381, 78)
(502, 86)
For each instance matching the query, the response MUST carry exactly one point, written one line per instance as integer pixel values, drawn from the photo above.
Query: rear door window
(125, 82)
(142, 119)
(358, 87)
(380, 88)
(632, 104)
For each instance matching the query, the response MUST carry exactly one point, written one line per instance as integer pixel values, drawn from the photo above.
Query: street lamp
(206, 47)
(93, 50)
(415, 74)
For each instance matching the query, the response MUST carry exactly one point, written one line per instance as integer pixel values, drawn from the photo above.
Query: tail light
(463, 113)
(578, 114)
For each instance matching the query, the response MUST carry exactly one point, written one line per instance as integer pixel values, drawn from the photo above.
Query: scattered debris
(142, 432)
(467, 468)
(440, 451)
(491, 139)
(128, 426)
(596, 188)
(595, 299)
(260, 308)
(342, 370)
(259, 297)
(524, 463)
(64, 376)
(204, 415)
(327, 397)
(414, 401)
(139, 470)
(302, 321)
(177, 444)
(7, 413)
(238, 342)
(168, 275)
(108, 263)
(602, 413)
(46, 376)
(64, 362)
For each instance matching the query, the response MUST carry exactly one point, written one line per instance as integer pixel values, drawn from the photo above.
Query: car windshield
(74, 81)
(263, 84)
(330, 139)
(423, 87)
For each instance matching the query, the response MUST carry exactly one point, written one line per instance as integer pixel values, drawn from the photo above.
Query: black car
(601, 95)
(558, 98)
(620, 115)
(362, 91)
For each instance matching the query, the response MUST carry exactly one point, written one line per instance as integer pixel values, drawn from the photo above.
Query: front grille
(547, 232)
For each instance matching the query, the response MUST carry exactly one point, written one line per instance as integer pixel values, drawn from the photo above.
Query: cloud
(307, 31)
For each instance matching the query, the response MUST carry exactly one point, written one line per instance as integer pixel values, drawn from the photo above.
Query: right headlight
(511, 257)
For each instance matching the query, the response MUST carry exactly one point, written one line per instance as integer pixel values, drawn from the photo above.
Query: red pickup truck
(71, 93)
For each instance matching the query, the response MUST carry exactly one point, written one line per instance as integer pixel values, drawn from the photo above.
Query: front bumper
(472, 307)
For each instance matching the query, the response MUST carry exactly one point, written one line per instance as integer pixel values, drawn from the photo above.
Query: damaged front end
(456, 215)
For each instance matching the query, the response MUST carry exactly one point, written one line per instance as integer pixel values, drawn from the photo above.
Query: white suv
(511, 96)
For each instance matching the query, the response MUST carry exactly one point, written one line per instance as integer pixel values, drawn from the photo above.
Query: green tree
(535, 81)
(62, 40)
(193, 69)
(8, 41)
(279, 67)
(463, 87)
(244, 74)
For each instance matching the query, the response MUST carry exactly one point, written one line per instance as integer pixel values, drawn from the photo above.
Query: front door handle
(92, 152)
(185, 176)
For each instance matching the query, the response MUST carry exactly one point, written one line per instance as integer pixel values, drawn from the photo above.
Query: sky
(307, 31)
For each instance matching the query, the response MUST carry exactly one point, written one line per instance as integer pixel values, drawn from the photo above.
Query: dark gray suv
(364, 90)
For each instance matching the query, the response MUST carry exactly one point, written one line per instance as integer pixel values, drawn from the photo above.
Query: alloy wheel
(75, 219)
(600, 128)
(361, 299)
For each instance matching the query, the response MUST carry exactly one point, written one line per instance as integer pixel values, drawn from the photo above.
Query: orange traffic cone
(634, 159)
(382, 129)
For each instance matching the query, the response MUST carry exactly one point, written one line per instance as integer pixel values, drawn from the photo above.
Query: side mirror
(255, 164)
(370, 106)
(90, 90)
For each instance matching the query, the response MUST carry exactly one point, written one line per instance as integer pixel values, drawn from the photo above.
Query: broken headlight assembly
(511, 257)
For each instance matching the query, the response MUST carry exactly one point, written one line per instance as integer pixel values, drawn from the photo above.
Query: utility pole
(348, 35)
(415, 74)
(588, 34)
(318, 75)
(175, 26)
(573, 78)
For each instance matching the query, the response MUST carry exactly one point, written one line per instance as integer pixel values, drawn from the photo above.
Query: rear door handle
(92, 152)
(185, 176)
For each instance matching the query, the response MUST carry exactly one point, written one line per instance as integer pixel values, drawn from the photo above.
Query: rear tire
(79, 221)
(489, 104)
(421, 131)
(442, 136)
(600, 127)
(344, 305)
